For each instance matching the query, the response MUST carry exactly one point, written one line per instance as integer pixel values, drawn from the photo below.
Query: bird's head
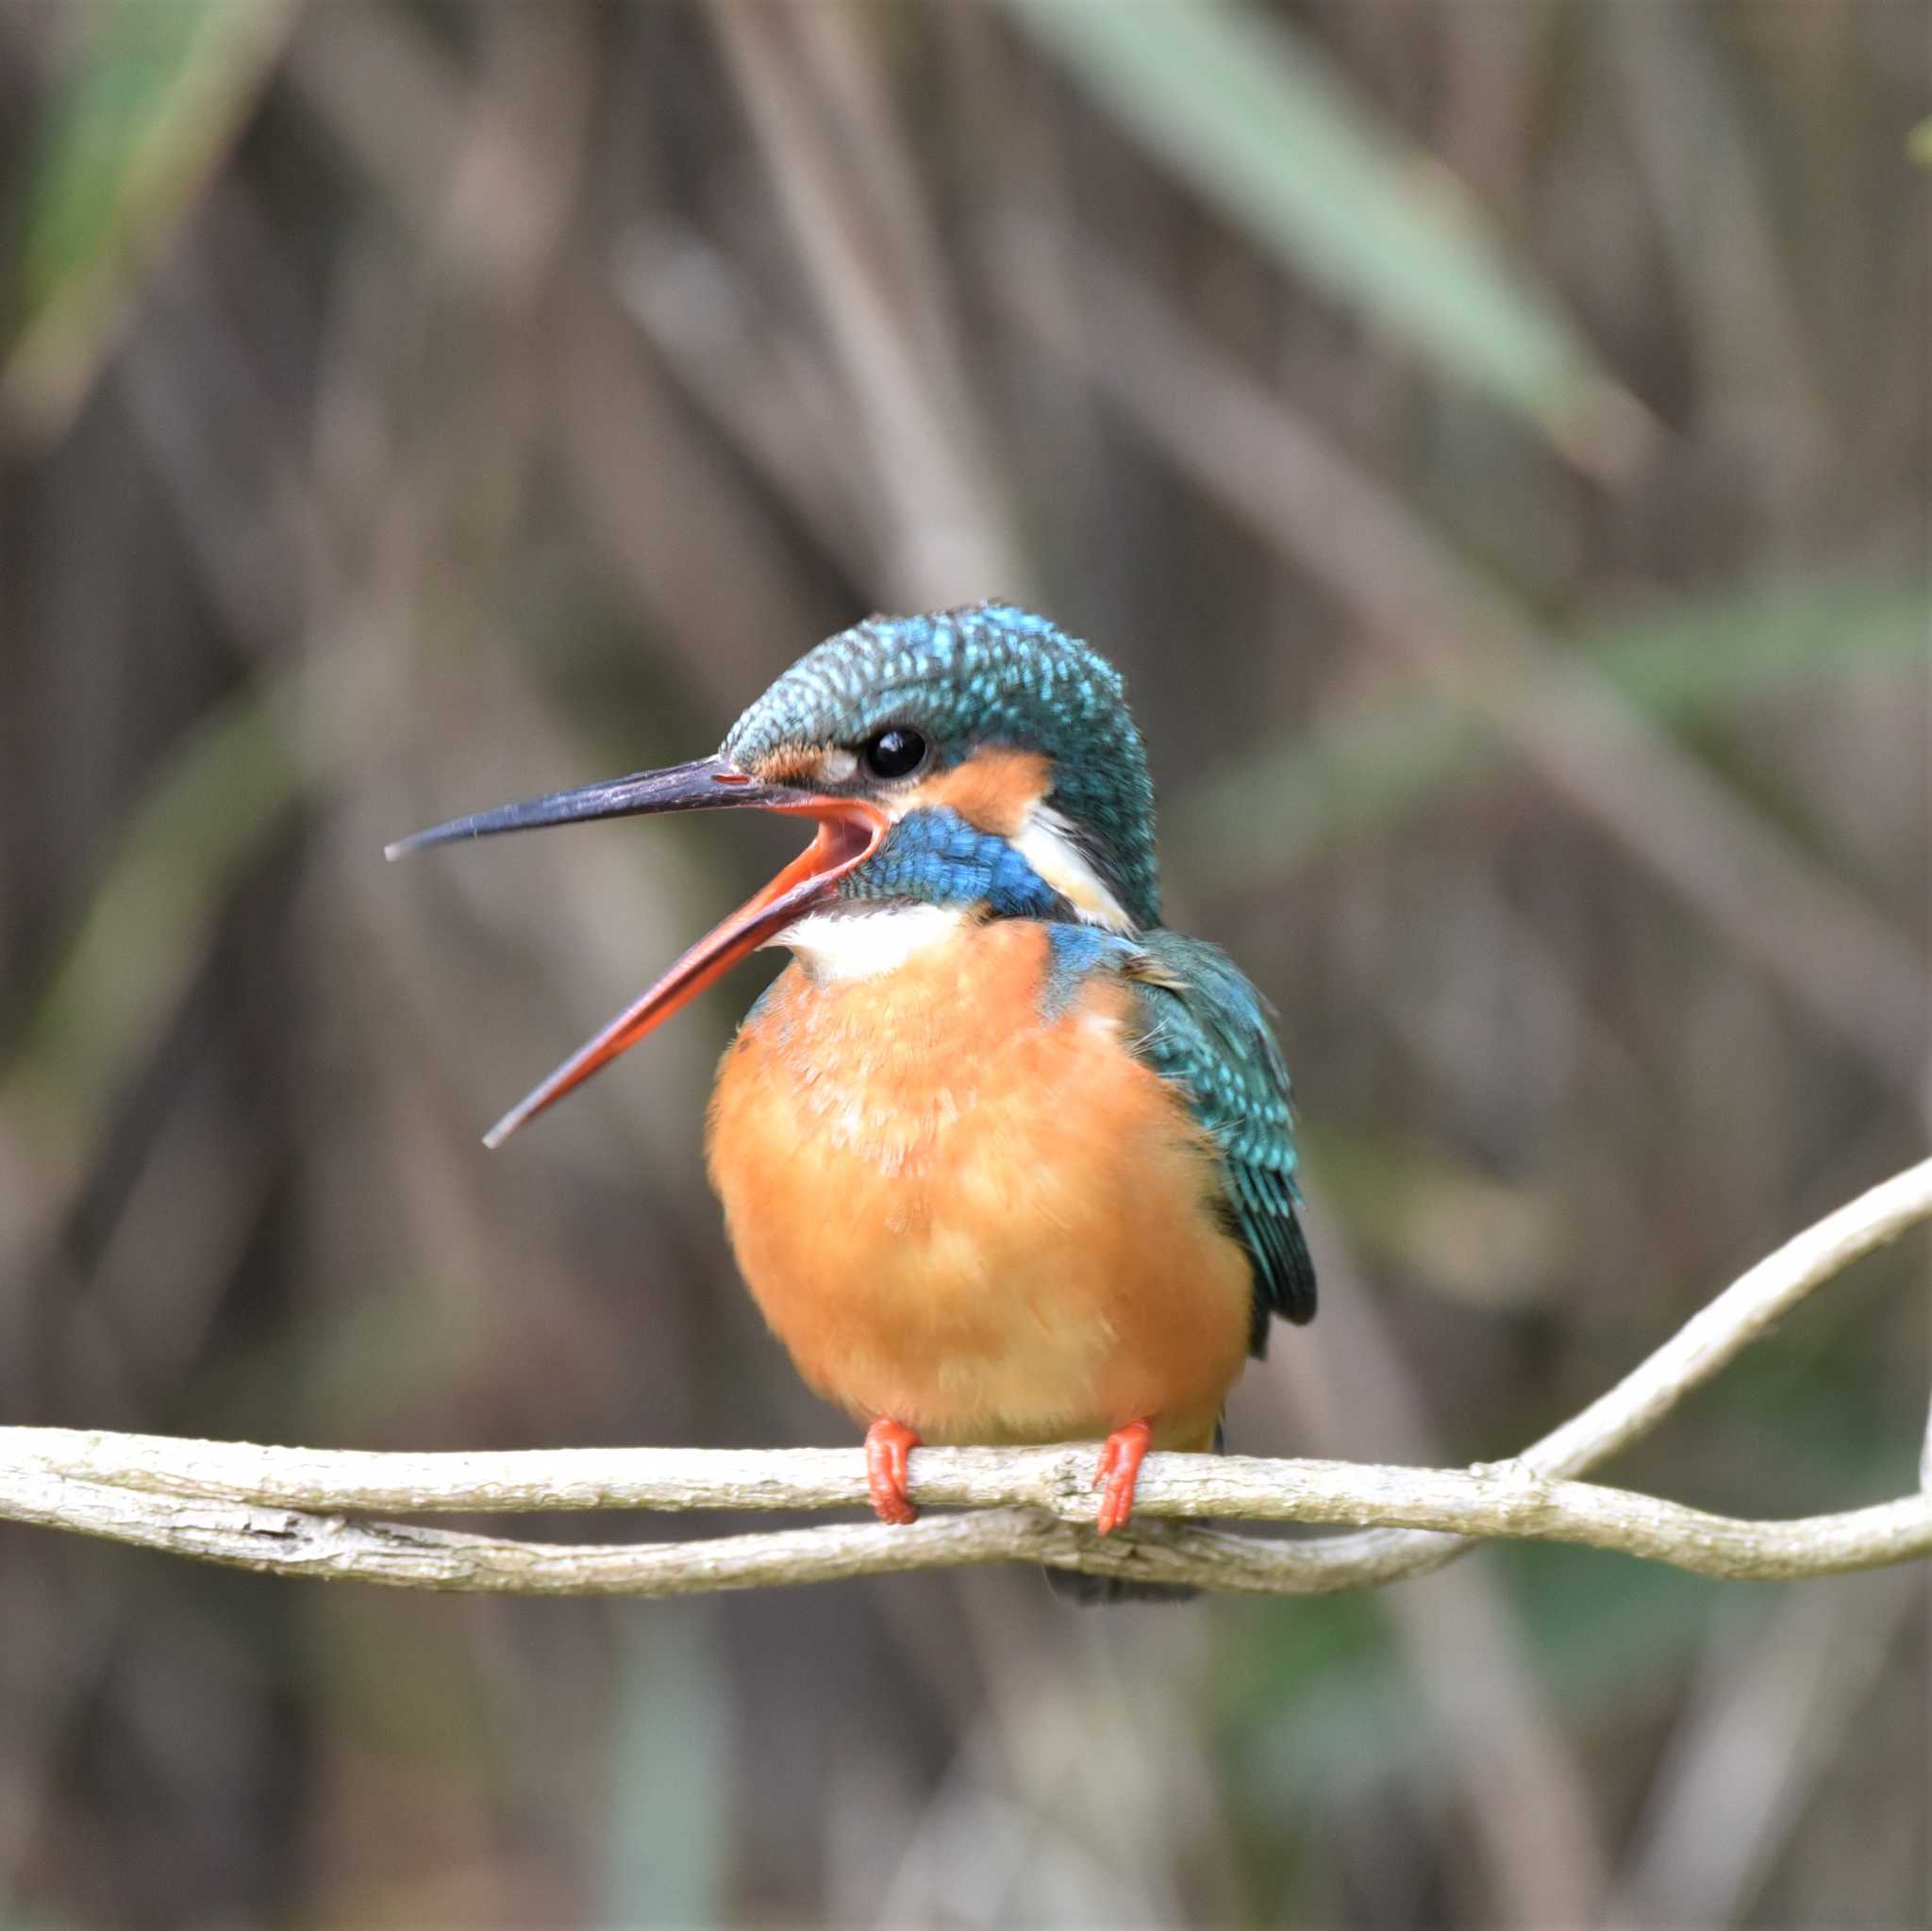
(979, 761)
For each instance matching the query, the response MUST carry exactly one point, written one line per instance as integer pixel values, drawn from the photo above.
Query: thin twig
(254, 1507)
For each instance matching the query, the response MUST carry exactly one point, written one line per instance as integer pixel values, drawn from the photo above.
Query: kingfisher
(1003, 1159)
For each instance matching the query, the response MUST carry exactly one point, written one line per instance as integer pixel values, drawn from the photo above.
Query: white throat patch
(1047, 842)
(867, 945)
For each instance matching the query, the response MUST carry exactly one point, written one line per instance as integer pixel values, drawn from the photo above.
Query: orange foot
(886, 1445)
(1119, 1466)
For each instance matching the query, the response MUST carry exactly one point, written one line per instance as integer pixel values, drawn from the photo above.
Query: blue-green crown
(988, 675)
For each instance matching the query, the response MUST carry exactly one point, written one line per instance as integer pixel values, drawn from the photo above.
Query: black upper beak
(850, 831)
(706, 783)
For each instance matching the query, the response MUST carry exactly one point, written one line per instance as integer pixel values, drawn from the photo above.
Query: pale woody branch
(284, 1511)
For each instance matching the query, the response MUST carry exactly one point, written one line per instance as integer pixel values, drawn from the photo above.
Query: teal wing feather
(1207, 1031)
(1205, 1028)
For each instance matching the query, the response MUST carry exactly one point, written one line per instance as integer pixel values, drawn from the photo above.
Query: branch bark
(288, 1510)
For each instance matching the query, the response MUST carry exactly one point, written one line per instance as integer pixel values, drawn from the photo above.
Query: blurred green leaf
(1489, 1243)
(148, 922)
(1683, 663)
(670, 1783)
(1249, 112)
(1919, 143)
(1328, 1725)
(159, 90)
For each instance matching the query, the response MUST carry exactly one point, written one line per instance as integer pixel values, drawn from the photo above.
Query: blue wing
(1207, 1031)
(1205, 1028)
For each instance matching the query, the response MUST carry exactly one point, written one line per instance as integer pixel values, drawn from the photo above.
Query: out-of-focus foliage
(153, 98)
(148, 921)
(409, 407)
(1686, 662)
(1251, 114)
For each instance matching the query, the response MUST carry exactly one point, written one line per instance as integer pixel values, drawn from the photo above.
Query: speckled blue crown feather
(968, 679)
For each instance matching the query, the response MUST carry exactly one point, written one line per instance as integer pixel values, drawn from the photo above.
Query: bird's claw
(887, 1444)
(1120, 1468)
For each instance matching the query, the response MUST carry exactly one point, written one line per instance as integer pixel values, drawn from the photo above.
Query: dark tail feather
(1090, 1591)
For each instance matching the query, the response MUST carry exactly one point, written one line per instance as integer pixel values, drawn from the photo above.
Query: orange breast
(986, 1224)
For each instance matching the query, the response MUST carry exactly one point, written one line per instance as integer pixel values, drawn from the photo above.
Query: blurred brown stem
(1302, 491)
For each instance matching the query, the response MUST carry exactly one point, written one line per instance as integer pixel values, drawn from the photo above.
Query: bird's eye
(894, 753)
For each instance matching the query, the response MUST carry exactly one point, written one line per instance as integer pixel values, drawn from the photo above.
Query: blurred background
(1492, 439)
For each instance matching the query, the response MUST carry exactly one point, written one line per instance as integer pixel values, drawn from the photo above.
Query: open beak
(849, 832)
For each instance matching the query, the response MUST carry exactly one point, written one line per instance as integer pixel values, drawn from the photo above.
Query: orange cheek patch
(994, 790)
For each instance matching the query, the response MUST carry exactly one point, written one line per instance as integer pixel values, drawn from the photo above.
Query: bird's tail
(1091, 1591)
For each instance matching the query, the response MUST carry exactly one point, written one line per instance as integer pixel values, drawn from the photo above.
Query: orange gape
(982, 1224)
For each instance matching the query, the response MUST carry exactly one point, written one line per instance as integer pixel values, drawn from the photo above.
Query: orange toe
(887, 1445)
(1120, 1468)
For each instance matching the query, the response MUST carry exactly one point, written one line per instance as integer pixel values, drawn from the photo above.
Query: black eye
(892, 753)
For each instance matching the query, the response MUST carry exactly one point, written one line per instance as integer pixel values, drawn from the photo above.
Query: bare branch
(237, 1504)
(283, 1510)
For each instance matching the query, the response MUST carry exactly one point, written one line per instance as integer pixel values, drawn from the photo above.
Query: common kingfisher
(1002, 1158)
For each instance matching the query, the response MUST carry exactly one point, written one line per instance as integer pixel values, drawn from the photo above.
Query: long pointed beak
(706, 783)
(849, 832)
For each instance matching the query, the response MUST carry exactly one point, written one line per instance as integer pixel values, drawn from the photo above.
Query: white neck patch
(867, 944)
(1047, 842)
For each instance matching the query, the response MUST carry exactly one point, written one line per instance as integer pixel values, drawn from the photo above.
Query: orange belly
(987, 1225)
